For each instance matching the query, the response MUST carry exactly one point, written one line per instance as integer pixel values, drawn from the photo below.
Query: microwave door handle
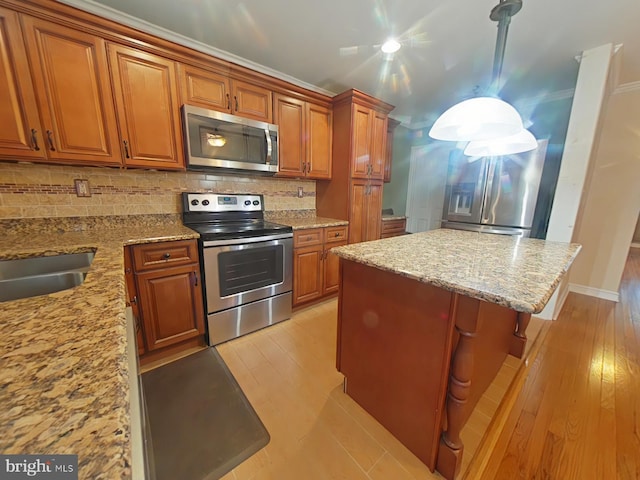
(269, 145)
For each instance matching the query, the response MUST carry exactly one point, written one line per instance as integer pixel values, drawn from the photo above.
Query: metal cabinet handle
(195, 278)
(166, 256)
(126, 149)
(50, 139)
(228, 102)
(236, 100)
(304, 167)
(134, 300)
(34, 139)
(337, 234)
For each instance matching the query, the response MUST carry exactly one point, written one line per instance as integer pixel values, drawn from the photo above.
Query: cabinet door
(307, 273)
(148, 110)
(171, 305)
(251, 101)
(205, 89)
(358, 212)
(331, 268)
(319, 141)
(374, 212)
(72, 87)
(289, 115)
(378, 144)
(361, 142)
(21, 134)
(131, 299)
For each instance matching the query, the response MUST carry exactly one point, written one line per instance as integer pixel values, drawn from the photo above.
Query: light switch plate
(82, 188)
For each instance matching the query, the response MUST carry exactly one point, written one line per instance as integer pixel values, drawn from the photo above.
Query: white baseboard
(595, 292)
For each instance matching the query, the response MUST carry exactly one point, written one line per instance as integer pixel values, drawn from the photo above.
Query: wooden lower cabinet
(315, 269)
(167, 299)
(393, 227)
(366, 211)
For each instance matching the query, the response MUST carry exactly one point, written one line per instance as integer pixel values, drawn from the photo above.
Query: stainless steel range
(246, 263)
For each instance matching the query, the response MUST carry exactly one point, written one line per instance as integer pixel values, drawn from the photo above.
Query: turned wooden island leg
(519, 341)
(451, 447)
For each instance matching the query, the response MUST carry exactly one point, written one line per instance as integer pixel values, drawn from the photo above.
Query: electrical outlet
(82, 188)
(300, 192)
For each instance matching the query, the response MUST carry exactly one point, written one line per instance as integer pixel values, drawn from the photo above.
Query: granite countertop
(519, 273)
(301, 223)
(63, 362)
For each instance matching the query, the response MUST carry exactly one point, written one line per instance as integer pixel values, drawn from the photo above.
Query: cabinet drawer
(393, 226)
(164, 254)
(307, 237)
(335, 234)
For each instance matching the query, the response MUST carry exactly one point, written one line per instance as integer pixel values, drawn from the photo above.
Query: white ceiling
(447, 48)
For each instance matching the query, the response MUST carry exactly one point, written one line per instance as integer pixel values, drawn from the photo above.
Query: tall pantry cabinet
(354, 192)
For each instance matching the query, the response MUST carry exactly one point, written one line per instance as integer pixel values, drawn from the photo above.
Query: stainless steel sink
(30, 277)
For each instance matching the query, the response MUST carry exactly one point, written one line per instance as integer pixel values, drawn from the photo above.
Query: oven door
(241, 271)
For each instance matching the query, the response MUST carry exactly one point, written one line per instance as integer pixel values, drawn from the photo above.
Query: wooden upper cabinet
(378, 145)
(361, 141)
(72, 87)
(319, 141)
(148, 108)
(251, 101)
(289, 115)
(205, 89)
(304, 138)
(218, 91)
(19, 119)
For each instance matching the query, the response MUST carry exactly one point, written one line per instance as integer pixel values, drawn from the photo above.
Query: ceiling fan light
(390, 46)
(522, 141)
(480, 118)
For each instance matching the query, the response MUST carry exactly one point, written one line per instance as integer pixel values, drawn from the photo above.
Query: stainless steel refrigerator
(493, 194)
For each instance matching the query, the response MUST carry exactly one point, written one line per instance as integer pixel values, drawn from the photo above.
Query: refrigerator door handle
(487, 191)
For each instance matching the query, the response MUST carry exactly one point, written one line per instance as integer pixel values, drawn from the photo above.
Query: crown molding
(134, 22)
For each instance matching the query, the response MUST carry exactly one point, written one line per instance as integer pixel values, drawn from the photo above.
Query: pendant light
(488, 119)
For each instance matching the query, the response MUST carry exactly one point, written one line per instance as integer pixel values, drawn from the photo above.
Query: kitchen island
(426, 320)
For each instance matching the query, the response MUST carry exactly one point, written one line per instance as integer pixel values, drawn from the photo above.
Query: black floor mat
(202, 425)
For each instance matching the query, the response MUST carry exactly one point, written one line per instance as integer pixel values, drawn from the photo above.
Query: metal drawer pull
(34, 139)
(166, 256)
(51, 147)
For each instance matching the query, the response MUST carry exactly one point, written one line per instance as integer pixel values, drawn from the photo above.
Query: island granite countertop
(518, 273)
(63, 356)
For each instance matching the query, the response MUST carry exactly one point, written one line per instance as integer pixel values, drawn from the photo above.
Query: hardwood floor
(288, 373)
(577, 415)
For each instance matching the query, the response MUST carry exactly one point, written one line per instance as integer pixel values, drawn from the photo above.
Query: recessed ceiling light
(390, 46)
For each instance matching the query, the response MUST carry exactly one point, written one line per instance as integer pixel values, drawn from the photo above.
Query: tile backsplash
(39, 191)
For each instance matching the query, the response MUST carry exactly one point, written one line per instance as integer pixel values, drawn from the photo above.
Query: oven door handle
(238, 241)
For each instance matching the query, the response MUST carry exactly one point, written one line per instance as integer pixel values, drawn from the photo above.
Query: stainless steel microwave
(216, 140)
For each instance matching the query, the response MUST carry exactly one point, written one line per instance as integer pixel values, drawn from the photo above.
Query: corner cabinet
(66, 115)
(359, 141)
(304, 138)
(315, 268)
(146, 95)
(167, 296)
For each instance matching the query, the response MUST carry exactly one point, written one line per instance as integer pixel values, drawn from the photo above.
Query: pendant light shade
(522, 141)
(480, 118)
(491, 125)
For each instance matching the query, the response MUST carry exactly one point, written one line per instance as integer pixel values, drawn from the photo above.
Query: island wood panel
(394, 344)
(397, 341)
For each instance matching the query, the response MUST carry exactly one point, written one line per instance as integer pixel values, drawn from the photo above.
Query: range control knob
(205, 202)
(247, 202)
(194, 202)
(256, 202)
